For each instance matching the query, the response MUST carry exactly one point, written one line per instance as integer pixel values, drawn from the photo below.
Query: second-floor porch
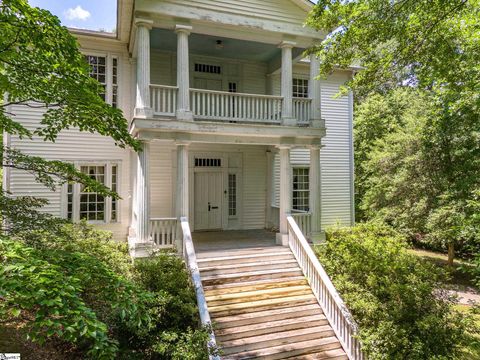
(187, 76)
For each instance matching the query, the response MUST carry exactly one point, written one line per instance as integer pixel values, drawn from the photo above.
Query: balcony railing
(163, 99)
(222, 105)
(227, 106)
(301, 110)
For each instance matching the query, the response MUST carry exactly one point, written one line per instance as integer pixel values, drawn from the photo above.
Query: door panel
(208, 189)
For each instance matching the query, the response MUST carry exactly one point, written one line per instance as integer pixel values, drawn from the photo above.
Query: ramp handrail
(191, 260)
(333, 307)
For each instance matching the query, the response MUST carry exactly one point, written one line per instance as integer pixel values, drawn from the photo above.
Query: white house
(237, 134)
(235, 128)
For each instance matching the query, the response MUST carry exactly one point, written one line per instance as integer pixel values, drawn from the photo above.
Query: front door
(208, 200)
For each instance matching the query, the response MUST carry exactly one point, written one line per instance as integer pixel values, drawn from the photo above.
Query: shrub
(396, 299)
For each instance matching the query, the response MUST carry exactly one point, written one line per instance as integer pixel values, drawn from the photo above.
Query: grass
(459, 278)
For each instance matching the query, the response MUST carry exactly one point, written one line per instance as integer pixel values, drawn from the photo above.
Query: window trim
(108, 200)
(109, 74)
(303, 79)
(304, 167)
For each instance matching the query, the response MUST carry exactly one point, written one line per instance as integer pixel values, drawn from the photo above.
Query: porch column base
(184, 115)
(318, 237)
(282, 239)
(289, 121)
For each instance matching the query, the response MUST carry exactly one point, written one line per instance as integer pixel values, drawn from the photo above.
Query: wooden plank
(256, 285)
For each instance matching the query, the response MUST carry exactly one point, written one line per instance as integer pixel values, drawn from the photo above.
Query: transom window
(208, 162)
(300, 88)
(104, 69)
(301, 191)
(209, 69)
(91, 206)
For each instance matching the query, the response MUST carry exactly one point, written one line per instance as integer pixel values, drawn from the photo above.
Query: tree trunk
(451, 254)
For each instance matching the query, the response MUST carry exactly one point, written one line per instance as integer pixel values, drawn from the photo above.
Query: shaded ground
(461, 283)
(13, 340)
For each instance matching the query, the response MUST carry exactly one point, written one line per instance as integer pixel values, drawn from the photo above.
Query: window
(209, 69)
(232, 195)
(301, 189)
(208, 162)
(85, 205)
(104, 69)
(300, 88)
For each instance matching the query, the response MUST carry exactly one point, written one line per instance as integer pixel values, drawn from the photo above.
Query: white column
(315, 188)
(285, 193)
(182, 200)
(314, 93)
(270, 186)
(287, 83)
(142, 103)
(143, 193)
(183, 73)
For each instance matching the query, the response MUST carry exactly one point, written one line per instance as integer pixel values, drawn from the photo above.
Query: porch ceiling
(206, 45)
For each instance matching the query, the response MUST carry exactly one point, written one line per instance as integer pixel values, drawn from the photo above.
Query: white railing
(191, 260)
(163, 231)
(301, 110)
(163, 99)
(227, 106)
(332, 305)
(304, 222)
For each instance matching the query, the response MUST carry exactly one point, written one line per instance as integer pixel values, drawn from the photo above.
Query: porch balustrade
(163, 99)
(302, 109)
(227, 106)
(163, 232)
(304, 222)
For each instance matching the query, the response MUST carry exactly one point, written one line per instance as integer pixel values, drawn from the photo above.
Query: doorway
(208, 207)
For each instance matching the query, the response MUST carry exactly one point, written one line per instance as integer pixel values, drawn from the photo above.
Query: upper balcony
(187, 76)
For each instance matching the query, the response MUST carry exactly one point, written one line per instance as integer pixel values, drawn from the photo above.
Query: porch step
(263, 308)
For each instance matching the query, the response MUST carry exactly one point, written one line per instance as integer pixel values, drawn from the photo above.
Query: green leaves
(395, 298)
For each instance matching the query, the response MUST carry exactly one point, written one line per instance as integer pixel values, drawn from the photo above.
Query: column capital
(147, 23)
(182, 143)
(287, 44)
(283, 147)
(186, 29)
(315, 147)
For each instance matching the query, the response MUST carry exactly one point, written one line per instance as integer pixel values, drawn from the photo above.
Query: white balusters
(304, 222)
(163, 232)
(332, 305)
(227, 106)
(301, 110)
(163, 99)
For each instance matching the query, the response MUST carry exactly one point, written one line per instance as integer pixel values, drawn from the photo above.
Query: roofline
(95, 33)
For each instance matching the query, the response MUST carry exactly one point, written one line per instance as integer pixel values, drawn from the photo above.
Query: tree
(41, 67)
(432, 46)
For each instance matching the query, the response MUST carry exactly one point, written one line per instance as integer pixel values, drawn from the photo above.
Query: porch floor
(232, 239)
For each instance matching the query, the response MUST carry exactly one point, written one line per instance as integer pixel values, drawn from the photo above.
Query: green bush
(79, 286)
(396, 299)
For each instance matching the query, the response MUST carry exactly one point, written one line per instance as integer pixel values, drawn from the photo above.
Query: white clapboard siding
(335, 155)
(275, 10)
(162, 68)
(71, 145)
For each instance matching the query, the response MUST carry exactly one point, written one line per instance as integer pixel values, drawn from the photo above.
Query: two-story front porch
(218, 117)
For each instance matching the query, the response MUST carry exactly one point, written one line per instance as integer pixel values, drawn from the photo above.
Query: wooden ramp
(263, 308)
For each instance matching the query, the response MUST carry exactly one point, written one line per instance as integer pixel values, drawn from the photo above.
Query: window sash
(300, 88)
(105, 69)
(301, 188)
(74, 194)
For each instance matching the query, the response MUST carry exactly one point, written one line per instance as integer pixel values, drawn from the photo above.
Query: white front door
(208, 200)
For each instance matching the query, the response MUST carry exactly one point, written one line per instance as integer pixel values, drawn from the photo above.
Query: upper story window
(104, 69)
(300, 88)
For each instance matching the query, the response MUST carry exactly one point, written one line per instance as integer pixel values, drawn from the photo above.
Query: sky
(84, 14)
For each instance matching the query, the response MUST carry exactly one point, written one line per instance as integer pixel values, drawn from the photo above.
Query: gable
(286, 11)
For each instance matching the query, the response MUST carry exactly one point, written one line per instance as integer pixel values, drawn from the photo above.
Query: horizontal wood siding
(70, 146)
(255, 183)
(162, 68)
(335, 155)
(274, 10)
